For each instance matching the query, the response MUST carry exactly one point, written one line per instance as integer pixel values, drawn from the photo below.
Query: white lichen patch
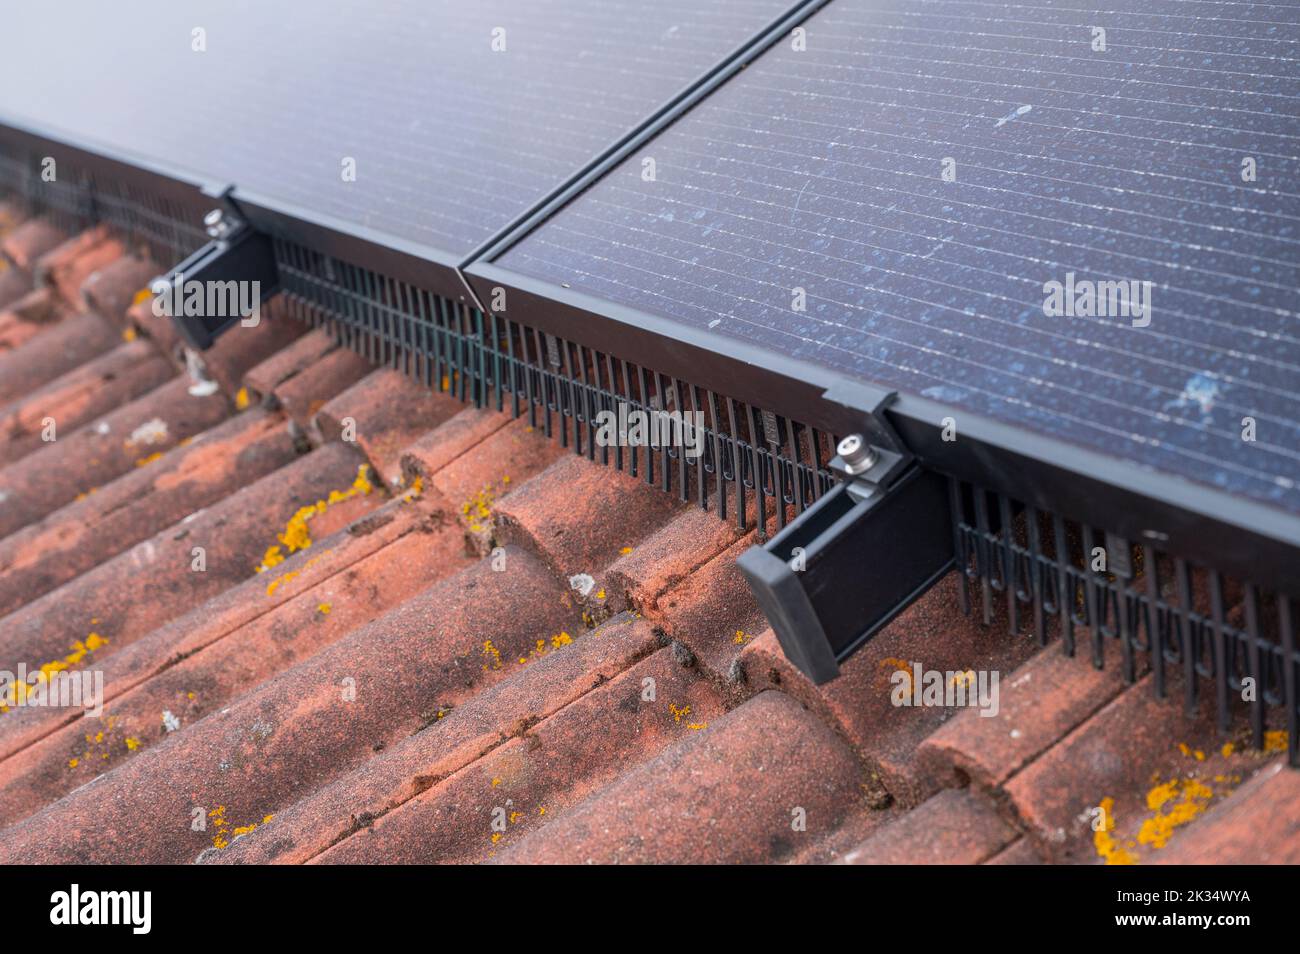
(150, 432)
(582, 582)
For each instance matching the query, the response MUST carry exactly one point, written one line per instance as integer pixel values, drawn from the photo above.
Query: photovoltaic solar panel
(456, 115)
(889, 195)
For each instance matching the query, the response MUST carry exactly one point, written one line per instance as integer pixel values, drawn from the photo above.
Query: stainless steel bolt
(858, 456)
(216, 224)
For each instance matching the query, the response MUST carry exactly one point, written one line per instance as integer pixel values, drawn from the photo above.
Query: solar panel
(435, 123)
(892, 194)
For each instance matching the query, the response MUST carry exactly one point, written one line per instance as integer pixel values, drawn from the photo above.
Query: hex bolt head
(858, 456)
(215, 223)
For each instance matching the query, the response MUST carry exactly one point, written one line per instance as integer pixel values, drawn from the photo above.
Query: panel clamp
(223, 283)
(855, 559)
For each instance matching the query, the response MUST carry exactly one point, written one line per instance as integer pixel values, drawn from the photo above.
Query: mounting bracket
(222, 283)
(855, 559)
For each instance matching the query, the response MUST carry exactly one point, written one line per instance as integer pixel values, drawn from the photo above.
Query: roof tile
(1039, 704)
(754, 786)
(98, 452)
(58, 349)
(138, 505)
(542, 771)
(80, 395)
(204, 681)
(304, 727)
(1146, 763)
(29, 241)
(112, 289)
(954, 827)
(67, 266)
(125, 597)
(459, 736)
(390, 411)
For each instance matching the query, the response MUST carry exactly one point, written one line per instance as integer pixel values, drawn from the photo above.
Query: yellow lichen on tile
(477, 511)
(242, 399)
(17, 692)
(491, 655)
(1107, 847)
(1176, 804)
(297, 534)
(323, 609)
(144, 461)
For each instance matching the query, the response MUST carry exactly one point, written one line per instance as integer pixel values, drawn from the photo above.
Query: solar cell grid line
(424, 125)
(908, 193)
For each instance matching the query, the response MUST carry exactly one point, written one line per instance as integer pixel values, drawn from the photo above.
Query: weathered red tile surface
(83, 461)
(384, 413)
(27, 313)
(140, 504)
(544, 771)
(458, 736)
(1258, 825)
(29, 241)
(303, 728)
(292, 359)
(753, 786)
(109, 291)
(79, 396)
(122, 599)
(57, 350)
(242, 348)
(1019, 852)
(580, 516)
(932, 633)
(954, 827)
(65, 267)
(1128, 781)
(304, 394)
(1039, 704)
(204, 681)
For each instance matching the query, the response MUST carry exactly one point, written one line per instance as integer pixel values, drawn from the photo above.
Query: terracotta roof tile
(140, 504)
(58, 349)
(29, 241)
(751, 787)
(1041, 703)
(28, 314)
(84, 460)
(304, 726)
(67, 266)
(109, 291)
(545, 769)
(1259, 824)
(581, 517)
(141, 588)
(1138, 758)
(464, 733)
(390, 411)
(953, 827)
(303, 393)
(82, 394)
(13, 285)
(203, 681)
